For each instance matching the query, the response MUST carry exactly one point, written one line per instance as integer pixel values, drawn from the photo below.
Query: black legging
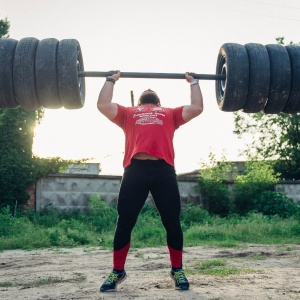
(140, 178)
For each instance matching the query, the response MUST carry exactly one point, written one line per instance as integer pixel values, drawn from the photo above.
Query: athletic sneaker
(113, 279)
(181, 282)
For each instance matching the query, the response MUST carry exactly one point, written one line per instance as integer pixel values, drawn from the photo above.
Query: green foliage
(4, 28)
(194, 214)
(51, 228)
(216, 267)
(253, 228)
(148, 229)
(71, 233)
(280, 41)
(16, 138)
(272, 137)
(214, 177)
(18, 166)
(100, 215)
(253, 191)
(276, 203)
(258, 178)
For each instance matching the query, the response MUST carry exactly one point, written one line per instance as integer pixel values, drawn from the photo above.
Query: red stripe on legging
(119, 257)
(175, 258)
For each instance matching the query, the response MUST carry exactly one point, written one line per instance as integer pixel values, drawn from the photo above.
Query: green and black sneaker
(113, 279)
(181, 282)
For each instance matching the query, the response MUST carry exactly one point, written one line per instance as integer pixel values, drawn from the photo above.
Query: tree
(4, 28)
(272, 137)
(16, 138)
(18, 166)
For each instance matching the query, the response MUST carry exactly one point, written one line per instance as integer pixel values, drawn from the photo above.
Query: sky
(167, 36)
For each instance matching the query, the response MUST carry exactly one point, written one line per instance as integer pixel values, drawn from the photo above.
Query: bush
(71, 233)
(149, 229)
(216, 196)
(192, 215)
(213, 186)
(6, 222)
(275, 203)
(101, 215)
(258, 178)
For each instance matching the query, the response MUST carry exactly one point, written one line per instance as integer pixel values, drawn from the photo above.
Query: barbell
(50, 73)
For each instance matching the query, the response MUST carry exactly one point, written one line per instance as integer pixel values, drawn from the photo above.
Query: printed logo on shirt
(152, 116)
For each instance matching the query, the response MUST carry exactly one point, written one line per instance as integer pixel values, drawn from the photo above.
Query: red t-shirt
(149, 129)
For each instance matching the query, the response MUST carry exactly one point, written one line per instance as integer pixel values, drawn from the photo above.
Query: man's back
(149, 129)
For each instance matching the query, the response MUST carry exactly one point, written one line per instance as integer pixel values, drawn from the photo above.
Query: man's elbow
(100, 107)
(198, 110)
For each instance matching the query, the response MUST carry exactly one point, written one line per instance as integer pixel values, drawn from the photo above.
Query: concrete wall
(291, 188)
(72, 191)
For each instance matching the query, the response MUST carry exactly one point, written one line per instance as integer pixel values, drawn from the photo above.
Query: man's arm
(196, 107)
(104, 104)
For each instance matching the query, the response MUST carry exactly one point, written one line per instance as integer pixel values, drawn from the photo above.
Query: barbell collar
(152, 75)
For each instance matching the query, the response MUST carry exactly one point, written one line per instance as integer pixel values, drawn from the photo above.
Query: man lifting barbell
(148, 167)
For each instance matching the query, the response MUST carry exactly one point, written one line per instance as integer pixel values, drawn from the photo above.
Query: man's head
(149, 97)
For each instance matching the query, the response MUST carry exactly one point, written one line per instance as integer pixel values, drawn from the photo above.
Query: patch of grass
(254, 228)
(78, 277)
(139, 255)
(215, 268)
(7, 284)
(207, 264)
(149, 230)
(258, 257)
(285, 248)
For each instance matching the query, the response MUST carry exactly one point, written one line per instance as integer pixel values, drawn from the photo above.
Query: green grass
(216, 268)
(95, 229)
(255, 228)
(258, 257)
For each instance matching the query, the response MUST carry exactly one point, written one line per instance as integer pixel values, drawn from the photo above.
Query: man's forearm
(196, 96)
(106, 94)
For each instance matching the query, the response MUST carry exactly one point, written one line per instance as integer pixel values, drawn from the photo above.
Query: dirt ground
(266, 272)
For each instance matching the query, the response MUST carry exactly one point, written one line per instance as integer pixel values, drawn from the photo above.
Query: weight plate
(233, 62)
(293, 104)
(280, 80)
(7, 50)
(69, 63)
(24, 73)
(45, 73)
(259, 78)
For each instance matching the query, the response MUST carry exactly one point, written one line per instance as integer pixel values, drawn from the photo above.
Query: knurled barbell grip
(153, 75)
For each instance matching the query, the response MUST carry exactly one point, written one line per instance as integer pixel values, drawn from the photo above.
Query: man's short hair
(149, 97)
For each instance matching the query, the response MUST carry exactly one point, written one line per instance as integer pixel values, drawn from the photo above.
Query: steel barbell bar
(151, 75)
